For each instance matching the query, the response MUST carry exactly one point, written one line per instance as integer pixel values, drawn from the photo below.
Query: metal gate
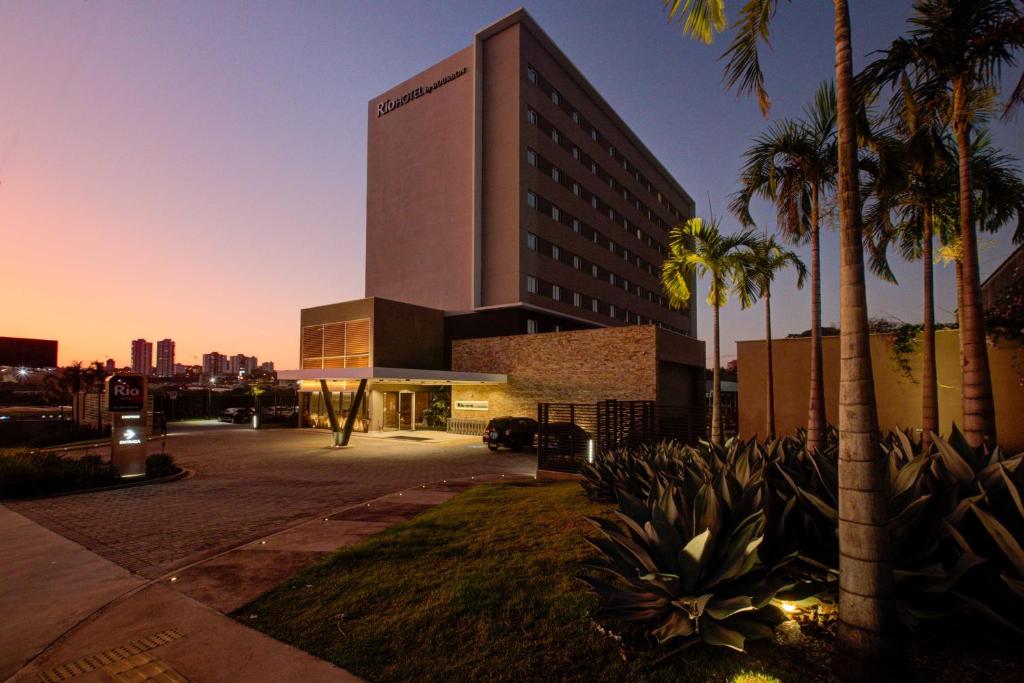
(569, 434)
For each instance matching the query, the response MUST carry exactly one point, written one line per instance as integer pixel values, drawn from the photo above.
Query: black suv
(236, 415)
(514, 432)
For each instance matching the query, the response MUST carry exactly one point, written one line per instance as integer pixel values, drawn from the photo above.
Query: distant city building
(251, 364)
(165, 358)
(110, 366)
(1006, 275)
(28, 353)
(142, 357)
(242, 363)
(214, 364)
(267, 366)
(180, 369)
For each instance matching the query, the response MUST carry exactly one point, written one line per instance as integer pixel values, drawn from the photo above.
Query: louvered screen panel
(335, 362)
(357, 338)
(357, 361)
(312, 346)
(334, 339)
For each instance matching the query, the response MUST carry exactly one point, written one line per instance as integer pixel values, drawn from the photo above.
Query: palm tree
(916, 196)
(772, 258)
(698, 247)
(865, 646)
(957, 48)
(792, 165)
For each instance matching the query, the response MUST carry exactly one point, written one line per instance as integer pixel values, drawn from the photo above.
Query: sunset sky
(196, 170)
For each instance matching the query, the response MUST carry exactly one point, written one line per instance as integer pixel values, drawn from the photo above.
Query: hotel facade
(515, 232)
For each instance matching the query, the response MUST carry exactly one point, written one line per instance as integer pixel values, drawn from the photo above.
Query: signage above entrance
(395, 102)
(472, 405)
(126, 393)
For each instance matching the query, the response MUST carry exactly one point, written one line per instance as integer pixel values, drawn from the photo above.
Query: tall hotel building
(515, 232)
(500, 183)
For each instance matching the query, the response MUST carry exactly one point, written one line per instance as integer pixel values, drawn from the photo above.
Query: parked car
(512, 432)
(235, 415)
(563, 437)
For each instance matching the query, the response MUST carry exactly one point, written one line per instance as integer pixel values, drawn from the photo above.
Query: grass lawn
(482, 588)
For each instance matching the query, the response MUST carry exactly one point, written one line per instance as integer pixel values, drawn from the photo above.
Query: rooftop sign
(395, 102)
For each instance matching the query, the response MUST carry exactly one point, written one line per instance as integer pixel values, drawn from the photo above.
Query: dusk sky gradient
(197, 170)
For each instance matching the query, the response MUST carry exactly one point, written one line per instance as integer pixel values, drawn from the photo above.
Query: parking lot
(249, 483)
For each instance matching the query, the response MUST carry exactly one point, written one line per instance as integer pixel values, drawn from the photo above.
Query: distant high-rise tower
(165, 358)
(110, 366)
(142, 357)
(214, 364)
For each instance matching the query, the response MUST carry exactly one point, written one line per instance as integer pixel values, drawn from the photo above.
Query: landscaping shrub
(160, 465)
(23, 475)
(956, 517)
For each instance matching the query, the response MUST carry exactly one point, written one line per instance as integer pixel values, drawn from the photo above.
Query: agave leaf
(678, 625)
(959, 443)
(960, 539)
(962, 507)
(1003, 538)
(713, 633)
(904, 444)
(824, 508)
(909, 475)
(984, 610)
(706, 509)
(957, 468)
(1016, 585)
(725, 608)
(750, 628)
(902, 524)
(631, 506)
(690, 559)
(1011, 488)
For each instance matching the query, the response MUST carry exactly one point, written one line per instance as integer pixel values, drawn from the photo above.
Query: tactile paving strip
(143, 668)
(108, 657)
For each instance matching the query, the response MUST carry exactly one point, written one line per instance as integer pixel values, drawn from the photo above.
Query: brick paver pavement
(248, 484)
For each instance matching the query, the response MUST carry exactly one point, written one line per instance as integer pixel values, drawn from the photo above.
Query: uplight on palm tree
(698, 248)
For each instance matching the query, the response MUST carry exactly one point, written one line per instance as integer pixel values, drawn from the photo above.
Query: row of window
(566, 257)
(535, 285)
(559, 100)
(587, 232)
(567, 181)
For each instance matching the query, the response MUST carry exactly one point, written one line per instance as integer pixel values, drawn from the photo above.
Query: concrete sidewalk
(92, 620)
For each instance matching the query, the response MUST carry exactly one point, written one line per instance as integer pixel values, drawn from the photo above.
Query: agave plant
(684, 563)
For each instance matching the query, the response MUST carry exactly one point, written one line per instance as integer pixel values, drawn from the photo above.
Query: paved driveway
(251, 483)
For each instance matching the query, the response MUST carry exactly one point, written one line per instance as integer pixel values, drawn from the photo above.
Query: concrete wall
(419, 191)
(898, 396)
(583, 366)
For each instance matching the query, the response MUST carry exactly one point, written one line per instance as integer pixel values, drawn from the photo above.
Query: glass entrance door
(405, 410)
(390, 416)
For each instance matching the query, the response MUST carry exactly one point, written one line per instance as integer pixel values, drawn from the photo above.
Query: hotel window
(611, 214)
(556, 292)
(575, 225)
(531, 74)
(611, 182)
(554, 135)
(556, 253)
(531, 115)
(611, 311)
(555, 213)
(625, 285)
(577, 263)
(531, 326)
(597, 237)
(594, 271)
(625, 254)
(531, 157)
(594, 305)
(556, 175)
(611, 279)
(576, 189)
(576, 153)
(555, 97)
(558, 328)
(531, 199)
(593, 134)
(576, 117)
(577, 300)
(611, 151)
(611, 246)
(531, 241)
(593, 201)
(531, 284)
(627, 316)
(593, 168)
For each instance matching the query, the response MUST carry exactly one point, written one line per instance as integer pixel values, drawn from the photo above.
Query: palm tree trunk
(817, 425)
(716, 381)
(769, 373)
(979, 411)
(960, 306)
(930, 387)
(865, 647)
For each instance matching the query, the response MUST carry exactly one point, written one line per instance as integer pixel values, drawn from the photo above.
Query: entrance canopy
(393, 375)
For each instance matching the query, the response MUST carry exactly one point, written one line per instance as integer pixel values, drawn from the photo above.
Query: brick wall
(583, 366)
